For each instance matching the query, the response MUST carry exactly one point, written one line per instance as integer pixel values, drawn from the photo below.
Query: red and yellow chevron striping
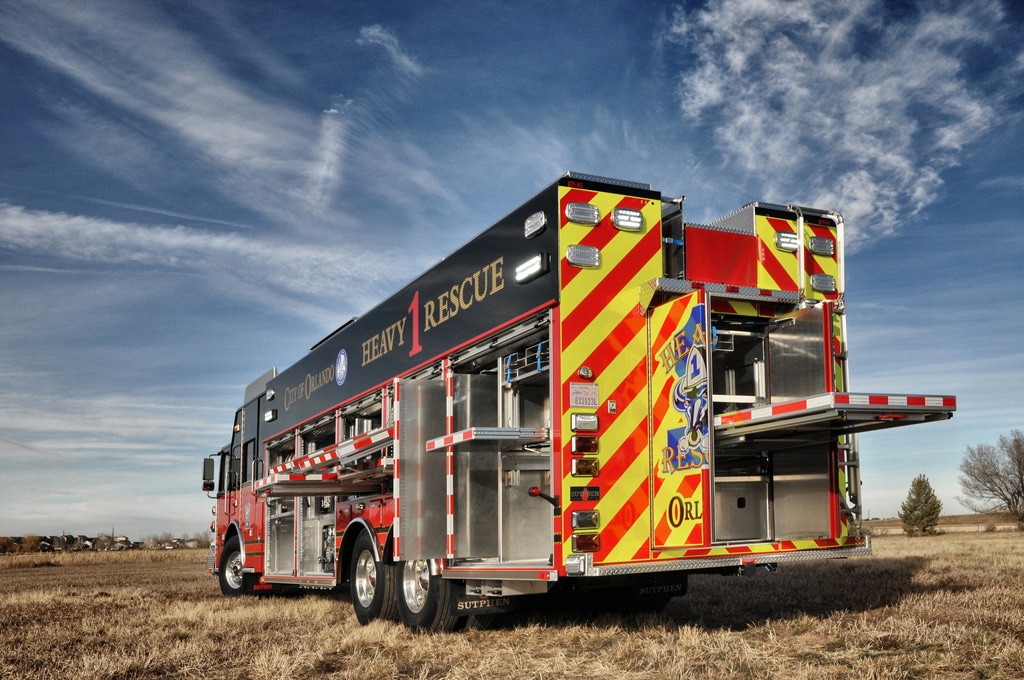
(776, 269)
(602, 329)
(820, 264)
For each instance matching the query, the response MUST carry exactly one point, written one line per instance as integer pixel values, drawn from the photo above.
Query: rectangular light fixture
(531, 269)
(581, 443)
(821, 245)
(586, 257)
(586, 542)
(534, 224)
(584, 422)
(585, 467)
(270, 416)
(823, 283)
(786, 241)
(582, 213)
(628, 219)
(586, 519)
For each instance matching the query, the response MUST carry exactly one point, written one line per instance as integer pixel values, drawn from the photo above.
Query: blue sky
(191, 193)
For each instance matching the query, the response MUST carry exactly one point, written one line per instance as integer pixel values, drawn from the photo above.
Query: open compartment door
(680, 418)
(422, 482)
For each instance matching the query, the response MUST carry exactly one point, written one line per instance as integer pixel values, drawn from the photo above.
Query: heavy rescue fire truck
(591, 395)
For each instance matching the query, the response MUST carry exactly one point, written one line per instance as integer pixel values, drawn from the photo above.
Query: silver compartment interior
(281, 532)
(769, 490)
(525, 520)
(495, 517)
(773, 495)
(801, 490)
(476, 468)
(316, 541)
(741, 498)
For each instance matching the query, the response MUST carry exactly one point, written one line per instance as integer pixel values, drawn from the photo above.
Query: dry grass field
(948, 606)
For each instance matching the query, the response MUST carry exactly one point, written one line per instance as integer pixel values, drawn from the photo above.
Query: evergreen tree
(920, 512)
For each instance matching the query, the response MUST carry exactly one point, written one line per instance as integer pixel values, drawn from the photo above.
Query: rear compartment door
(680, 421)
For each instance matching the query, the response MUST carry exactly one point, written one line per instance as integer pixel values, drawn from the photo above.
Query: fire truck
(593, 396)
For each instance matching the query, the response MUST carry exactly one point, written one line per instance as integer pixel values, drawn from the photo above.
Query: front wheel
(371, 583)
(425, 600)
(232, 578)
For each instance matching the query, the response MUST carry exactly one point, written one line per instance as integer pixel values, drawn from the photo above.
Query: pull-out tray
(829, 414)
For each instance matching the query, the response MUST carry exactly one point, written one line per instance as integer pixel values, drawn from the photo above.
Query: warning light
(585, 467)
(821, 245)
(823, 283)
(582, 443)
(586, 542)
(786, 241)
(534, 224)
(582, 213)
(586, 519)
(627, 219)
(587, 257)
(584, 422)
(533, 268)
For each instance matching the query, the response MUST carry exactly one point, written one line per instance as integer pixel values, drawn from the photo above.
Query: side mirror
(208, 474)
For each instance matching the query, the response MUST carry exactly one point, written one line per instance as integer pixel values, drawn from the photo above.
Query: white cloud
(830, 104)
(268, 266)
(145, 102)
(97, 461)
(166, 213)
(327, 175)
(108, 428)
(264, 151)
(382, 37)
(1011, 184)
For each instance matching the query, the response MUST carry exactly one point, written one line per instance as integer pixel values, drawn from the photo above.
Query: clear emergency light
(534, 224)
(821, 245)
(627, 219)
(587, 257)
(584, 422)
(582, 213)
(823, 283)
(786, 241)
(586, 519)
(532, 268)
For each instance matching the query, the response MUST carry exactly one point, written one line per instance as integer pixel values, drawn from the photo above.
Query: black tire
(425, 600)
(371, 583)
(232, 580)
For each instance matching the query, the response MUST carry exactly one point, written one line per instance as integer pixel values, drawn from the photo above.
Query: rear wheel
(371, 583)
(232, 579)
(425, 600)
